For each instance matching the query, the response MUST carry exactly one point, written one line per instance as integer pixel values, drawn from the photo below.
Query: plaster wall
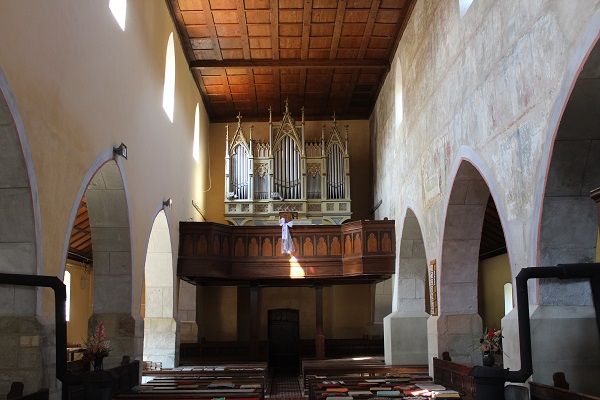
(99, 86)
(489, 87)
(82, 282)
(494, 272)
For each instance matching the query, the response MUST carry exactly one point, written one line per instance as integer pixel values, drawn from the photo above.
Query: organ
(287, 174)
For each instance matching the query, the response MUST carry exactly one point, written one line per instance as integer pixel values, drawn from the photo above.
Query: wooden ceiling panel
(194, 17)
(247, 55)
(187, 5)
(289, 16)
(252, 4)
(200, 31)
(258, 16)
(325, 3)
(259, 29)
(228, 30)
(290, 29)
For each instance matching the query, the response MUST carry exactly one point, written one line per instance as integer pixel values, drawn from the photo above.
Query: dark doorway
(284, 339)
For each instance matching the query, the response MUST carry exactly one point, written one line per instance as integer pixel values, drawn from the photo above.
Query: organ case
(287, 173)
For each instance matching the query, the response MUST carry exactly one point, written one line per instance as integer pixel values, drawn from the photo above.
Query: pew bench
(454, 376)
(539, 391)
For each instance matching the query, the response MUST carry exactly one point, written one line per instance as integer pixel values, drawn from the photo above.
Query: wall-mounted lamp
(167, 203)
(121, 150)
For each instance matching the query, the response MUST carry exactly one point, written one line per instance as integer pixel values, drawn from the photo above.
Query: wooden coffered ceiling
(325, 55)
(80, 244)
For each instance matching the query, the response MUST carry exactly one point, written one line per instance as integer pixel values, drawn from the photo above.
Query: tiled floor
(286, 387)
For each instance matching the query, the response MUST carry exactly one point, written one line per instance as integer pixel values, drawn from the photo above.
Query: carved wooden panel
(372, 243)
(317, 247)
(253, 248)
(267, 248)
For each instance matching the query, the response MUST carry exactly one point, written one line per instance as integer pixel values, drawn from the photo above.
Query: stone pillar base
(160, 337)
(123, 331)
(563, 338)
(459, 335)
(21, 344)
(405, 338)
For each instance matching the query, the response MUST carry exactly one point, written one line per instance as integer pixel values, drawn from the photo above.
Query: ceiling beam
(337, 29)
(290, 63)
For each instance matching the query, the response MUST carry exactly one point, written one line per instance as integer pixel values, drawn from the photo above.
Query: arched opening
(79, 266)
(466, 242)
(405, 330)
(21, 335)
(494, 297)
(159, 325)
(111, 277)
(569, 234)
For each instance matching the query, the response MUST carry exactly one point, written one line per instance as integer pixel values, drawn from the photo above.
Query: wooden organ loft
(287, 176)
(310, 178)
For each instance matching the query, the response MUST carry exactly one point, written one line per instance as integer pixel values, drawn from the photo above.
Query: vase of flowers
(490, 343)
(98, 346)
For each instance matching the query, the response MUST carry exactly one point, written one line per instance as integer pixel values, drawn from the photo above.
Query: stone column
(319, 335)
(405, 329)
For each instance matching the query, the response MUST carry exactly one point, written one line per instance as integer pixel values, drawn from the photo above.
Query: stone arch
(405, 330)
(568, 233)
(105, 191)
(20, 253)
(459, 325)
(159, 324)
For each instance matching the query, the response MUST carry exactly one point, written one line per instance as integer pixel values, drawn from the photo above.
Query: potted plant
(98, 346)
(490, 343)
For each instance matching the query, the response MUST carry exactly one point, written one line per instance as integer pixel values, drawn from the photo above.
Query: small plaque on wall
(433, 300)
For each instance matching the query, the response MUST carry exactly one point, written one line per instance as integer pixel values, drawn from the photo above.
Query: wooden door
(284, 338)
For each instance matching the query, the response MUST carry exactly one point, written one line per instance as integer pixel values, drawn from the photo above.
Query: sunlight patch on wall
(67, 282)
(119, 11)
(398, 97)
(196, 142)
(296, 270)
(169, 87)
(508, 298)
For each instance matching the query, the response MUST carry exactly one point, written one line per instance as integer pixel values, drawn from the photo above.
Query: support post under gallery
(319, 336)
(254, 321)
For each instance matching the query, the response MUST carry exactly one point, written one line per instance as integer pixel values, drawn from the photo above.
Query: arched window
(67, 282)
(196, 142)
(118, 8)
(398, 97)
(463, 6)
(169, 87)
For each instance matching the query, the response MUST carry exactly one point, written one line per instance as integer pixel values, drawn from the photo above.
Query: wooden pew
(454, 376)
(16, 393)
(539, 391)
(361, 366)
(229, 381)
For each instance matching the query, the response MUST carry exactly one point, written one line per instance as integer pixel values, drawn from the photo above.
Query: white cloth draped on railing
(287, 244)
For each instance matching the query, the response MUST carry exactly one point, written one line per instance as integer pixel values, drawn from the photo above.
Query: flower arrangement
(491, 341)
(97, 344)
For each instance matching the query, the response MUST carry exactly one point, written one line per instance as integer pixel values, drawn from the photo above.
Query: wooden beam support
(369, 29)
(337, 30)
(290, 63)
(306, 28)
(275, 29)
(210, 24)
